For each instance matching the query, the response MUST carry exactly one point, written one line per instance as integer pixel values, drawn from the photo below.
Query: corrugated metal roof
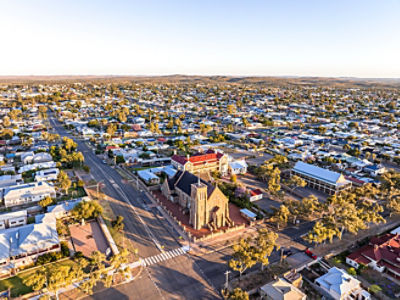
(317, 172)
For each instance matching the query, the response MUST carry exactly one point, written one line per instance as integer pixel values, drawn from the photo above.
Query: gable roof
(338, 281)
(184, 180)
(318, 173)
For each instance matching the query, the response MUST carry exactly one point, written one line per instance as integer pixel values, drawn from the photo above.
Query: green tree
(243, 256)
(118, 223)
(6, 121)
(64, 181)
(87, 210)
(265, 243)
(238, 294)
(296, 182)
(281, 215)
(36, 280)
(46, 201)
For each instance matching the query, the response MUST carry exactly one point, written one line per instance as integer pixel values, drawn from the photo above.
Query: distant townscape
(199, 188)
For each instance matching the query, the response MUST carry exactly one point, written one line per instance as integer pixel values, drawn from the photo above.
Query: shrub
(48, 257)
(65, 249)
(352, 271)
(374, 289)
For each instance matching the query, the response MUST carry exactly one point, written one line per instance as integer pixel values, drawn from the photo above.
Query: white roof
(146, 175)
(28, 238)
(338, 281)
(317, 172)
(238, 164)
(14, 214)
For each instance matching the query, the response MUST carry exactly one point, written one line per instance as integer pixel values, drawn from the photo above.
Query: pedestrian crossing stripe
(148, 261)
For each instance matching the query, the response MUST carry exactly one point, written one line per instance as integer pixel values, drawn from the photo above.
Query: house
(238, 167)
(21, 246)
(210, 161)
(42, 157)
(255, 195)
(13, 219)
(47, 175)
(8, 180)
(34, 166)
(206, 205)
(281, 289)
(340, 285)
(382, 254)
(148, 177)
(321, 179)
(375, 170)
(27, 193)
(62, 209)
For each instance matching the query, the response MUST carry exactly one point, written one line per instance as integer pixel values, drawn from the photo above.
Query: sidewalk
(140, 186)
(349, 239)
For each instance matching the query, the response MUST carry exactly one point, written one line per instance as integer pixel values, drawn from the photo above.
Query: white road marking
(148, 261)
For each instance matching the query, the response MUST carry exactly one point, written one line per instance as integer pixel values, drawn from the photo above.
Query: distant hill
(250, 80)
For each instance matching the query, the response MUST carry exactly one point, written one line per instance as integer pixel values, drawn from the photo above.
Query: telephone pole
(226, 278)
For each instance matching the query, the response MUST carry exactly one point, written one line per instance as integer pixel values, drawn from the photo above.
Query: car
(310, 254)
(104, 161)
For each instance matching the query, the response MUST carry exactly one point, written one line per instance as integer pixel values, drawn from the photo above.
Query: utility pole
(226, 278)
(98, 187)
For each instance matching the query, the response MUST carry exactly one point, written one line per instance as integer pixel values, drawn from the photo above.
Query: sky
(350, 38)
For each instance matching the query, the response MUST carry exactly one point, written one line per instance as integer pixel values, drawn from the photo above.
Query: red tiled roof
(355, 180)
(198, 158)
(179, 159)
(203, 157)
(385, 250)
(110, 147)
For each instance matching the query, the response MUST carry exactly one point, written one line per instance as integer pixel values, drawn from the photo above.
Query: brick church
(206, 205)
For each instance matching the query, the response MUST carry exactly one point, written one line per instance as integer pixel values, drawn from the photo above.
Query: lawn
(16, 285)
(78, 192)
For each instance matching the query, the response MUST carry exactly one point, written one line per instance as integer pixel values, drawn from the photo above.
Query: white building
(321, 179)
(281, 289)
(47, 175)
(340, 285)
(22, 245)
(8, 180)
(13, 219)
(238, 167)
(42, 165)
(26, 193)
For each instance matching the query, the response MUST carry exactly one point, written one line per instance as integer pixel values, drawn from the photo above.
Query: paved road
(176, 278)
(144, 224)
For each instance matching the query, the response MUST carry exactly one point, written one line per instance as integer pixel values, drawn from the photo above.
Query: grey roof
(185, 180)
(64, 206)
(28, 238)
(317, 172)
(338, 280)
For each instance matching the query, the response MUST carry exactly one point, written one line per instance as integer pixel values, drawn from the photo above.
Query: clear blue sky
(149, 37)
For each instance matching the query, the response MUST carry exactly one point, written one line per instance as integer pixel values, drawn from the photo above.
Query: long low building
(321, 179)
(27, 193)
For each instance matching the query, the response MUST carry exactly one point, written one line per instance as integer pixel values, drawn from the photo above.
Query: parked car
(310, 254)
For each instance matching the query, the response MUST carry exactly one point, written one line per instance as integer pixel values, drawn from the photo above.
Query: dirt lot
(88, 238)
